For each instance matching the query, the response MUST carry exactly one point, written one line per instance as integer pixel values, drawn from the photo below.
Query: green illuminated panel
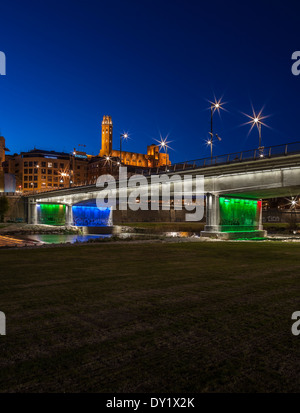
(239, 214)
(51, 214)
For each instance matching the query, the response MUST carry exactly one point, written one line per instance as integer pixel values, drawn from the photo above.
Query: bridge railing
(253, 154)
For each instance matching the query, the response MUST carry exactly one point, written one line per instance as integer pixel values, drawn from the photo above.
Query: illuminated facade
(39, 170)
(2, 152)
(152, 159)
(2, 160)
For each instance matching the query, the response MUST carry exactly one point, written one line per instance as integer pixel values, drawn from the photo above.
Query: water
(63, 238)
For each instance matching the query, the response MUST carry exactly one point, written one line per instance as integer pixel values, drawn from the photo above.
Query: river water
(63, 238)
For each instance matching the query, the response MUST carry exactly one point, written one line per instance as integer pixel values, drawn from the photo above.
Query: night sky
(152, 65)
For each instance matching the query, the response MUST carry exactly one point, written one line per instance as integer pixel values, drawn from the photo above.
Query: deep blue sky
(151, 65)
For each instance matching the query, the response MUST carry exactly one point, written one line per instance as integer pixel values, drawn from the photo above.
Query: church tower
(107, 134)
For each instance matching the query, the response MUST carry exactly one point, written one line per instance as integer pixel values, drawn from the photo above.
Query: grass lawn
(182, 317)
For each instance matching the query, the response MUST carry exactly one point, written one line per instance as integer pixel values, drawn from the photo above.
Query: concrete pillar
(110, 219)
(69, 215)
(260, 223)
(32, 212)
(28, 211)
(212, 213)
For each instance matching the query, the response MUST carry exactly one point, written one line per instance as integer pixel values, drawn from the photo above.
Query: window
(25, 185)
(55, 179)
(35, 178)
(35, 171)
(30, 163)
(49, 171)
(30, 171)
(61, 165)
(43, 171)
(25, 164)
(25, 171)
(25, 178)
(35, 185)
(50, 164)
(56, 165)
(43, 176)
(44, 164)
(50, 178)
(30, 178)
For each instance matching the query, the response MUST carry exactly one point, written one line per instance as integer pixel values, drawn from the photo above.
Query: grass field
(150, 317)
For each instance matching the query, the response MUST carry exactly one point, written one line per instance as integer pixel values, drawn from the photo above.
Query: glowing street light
(122, 136)
(257, 120)
(216, 105)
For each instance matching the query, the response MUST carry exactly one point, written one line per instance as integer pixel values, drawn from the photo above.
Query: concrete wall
(16, 212)
(274, 215)
(123, 217)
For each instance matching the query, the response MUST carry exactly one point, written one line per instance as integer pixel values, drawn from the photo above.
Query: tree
(4, 205)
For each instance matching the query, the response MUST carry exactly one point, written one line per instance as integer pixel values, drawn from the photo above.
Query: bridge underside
(266, 193)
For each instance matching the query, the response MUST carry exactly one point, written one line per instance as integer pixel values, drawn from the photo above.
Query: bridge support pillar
(69, 215)
(260, 223)
(32, 212)
(212, 213)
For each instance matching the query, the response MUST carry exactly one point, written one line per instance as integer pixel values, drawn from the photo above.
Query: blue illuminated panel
(89, 216)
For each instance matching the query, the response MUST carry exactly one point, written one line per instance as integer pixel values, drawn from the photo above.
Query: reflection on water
(63, 238)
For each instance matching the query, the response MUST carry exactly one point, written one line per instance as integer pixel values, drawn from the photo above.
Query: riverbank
(26, 229)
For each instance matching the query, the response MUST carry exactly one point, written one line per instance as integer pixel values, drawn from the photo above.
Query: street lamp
(122, 136)
(256, 120)
(216, 105)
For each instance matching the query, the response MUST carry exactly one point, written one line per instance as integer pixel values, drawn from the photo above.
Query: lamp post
(217, 105)
(257, 120)
(122, 136)
(260, 148)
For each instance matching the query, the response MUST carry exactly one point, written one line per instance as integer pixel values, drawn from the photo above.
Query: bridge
(234, 185)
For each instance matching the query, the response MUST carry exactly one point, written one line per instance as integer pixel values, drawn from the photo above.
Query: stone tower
(107, 134)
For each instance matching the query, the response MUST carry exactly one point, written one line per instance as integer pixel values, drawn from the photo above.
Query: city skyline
(153, 69)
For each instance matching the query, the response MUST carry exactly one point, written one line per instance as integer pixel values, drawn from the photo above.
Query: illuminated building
(2, 160)
(39, 170)
(152, 159)
(2, 152)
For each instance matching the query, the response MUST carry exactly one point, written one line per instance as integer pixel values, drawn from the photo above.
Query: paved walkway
(12, 242)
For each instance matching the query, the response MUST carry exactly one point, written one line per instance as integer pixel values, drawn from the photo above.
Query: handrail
(242, 156)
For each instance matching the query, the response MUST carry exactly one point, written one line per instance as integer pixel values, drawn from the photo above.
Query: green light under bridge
(51, 214)
(239, 215)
